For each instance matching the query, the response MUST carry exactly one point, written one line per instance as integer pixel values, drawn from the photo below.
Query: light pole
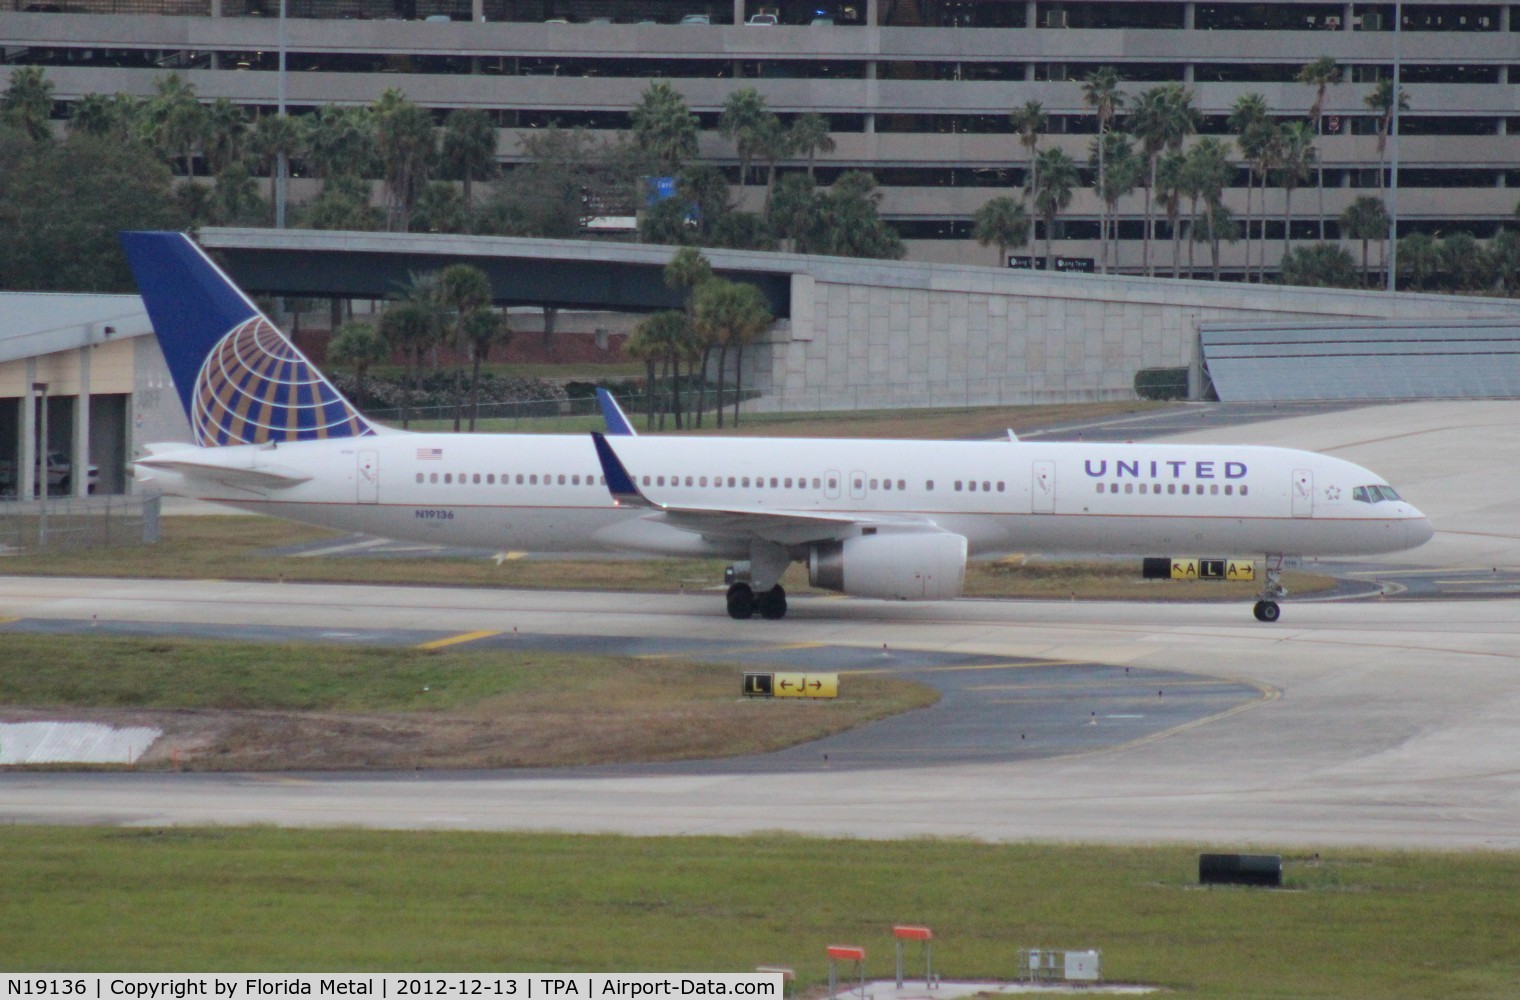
(41, 388)
(1393, 144)
(282, 168)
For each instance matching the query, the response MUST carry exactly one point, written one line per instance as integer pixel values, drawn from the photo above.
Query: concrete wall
(894, 334)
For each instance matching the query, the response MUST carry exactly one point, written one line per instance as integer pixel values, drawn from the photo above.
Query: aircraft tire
(773, 603)
(1267, 611)
(741, 601)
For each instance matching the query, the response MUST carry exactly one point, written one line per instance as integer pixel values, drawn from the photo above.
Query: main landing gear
(1266, 609)
(743, 602)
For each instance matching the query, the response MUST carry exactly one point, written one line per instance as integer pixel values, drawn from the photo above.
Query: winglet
(616, 420)
(1012, 436)
(625, 493)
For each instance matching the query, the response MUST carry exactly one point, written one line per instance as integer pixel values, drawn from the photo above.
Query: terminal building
(917, 92)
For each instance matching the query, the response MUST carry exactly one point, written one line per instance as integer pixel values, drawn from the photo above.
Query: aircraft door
(857, 485)
(1042, 489)
(368, 477)
(1303, 493)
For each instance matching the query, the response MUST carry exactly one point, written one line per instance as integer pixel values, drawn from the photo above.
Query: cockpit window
(1373, 494)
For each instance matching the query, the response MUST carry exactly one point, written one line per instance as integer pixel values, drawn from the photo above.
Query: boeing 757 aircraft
(885, 519)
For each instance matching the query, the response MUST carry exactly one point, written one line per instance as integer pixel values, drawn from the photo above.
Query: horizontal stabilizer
(261, 477)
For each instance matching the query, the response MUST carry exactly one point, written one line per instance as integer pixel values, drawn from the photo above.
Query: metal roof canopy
(577, 274)
(1450, 359)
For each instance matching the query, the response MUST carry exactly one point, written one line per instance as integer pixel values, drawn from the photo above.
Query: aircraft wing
(782, 526)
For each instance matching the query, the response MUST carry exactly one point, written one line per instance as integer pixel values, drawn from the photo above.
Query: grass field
(236, 705)
(1348, 926)
(234, 547)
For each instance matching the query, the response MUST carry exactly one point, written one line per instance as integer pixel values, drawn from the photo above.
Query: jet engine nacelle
(916, 566)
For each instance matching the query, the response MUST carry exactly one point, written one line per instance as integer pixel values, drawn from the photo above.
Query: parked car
(764, 20)
(59, 475)
(696, 19)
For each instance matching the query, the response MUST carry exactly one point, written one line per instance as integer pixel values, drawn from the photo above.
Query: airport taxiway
(1391, 721)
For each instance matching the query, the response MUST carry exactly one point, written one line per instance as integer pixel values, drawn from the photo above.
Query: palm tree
(277, 139)
(772, 142)
(1003, 221)
(1217, 223)
(1253, 132)
(1295, 161)
(359, 345)
(407, 147)
(340, 141)
(27, 103)
(481, 330)
(411, 327)
(1320, 74)
(1101, 92)
(745, 122)
(1162, 119)
(1058, 176)
(730, 314)
(1171, 186)
(1029, 121)
(95, 114)
(664, 127)
(687, 269)
(1319, 265)
(1121, 175)
(1365, 219)
(810, 136)
(644, 344)
(226, 134)
(1381, 101)
(1464, 263)
(1504, 251)
(794, 214)
(461, 290)
(1420, 258)
(469, 149)
(173, 123)
(1207, 172)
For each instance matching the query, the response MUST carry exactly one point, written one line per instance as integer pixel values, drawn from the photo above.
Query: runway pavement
(1391, 722)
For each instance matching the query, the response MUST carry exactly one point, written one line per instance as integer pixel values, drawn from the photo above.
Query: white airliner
(884, 519)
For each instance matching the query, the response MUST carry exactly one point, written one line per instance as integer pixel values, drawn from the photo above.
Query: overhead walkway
(571, 274)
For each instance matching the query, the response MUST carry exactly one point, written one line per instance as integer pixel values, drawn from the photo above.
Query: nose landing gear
(1266, 609)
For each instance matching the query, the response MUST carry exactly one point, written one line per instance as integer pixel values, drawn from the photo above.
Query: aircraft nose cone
(1418, 530)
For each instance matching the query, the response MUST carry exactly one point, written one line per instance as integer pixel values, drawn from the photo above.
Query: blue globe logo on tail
(240, 380)
(256, 387)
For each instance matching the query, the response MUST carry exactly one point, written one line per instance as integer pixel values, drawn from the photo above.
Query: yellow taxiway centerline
(455, 640)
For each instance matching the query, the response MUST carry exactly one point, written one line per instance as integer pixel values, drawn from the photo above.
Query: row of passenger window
(528, 479)
(719, 482)
(1186, 489)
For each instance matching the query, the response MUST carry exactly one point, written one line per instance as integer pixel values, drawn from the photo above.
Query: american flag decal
(429, 454)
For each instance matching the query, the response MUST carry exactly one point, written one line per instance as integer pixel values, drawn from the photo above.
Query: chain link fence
(78, 522)
(564, 414)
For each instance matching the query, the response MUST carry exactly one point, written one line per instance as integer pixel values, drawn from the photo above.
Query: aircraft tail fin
(240, 380)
